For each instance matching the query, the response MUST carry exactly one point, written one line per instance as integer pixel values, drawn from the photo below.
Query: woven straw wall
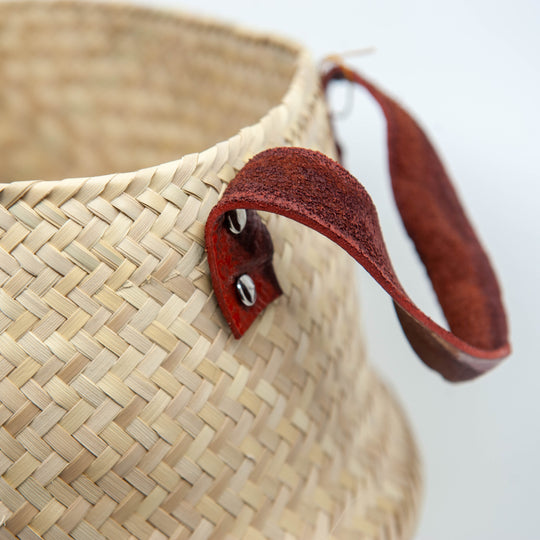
(127, 409)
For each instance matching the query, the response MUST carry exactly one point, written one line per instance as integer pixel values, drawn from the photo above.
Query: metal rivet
(246, 290)
(236, 220)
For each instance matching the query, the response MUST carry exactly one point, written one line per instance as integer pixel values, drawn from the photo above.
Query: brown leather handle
(314, 190)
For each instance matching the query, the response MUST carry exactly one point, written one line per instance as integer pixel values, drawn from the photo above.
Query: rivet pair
(236, 221)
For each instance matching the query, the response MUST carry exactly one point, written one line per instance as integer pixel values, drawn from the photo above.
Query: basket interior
(89, 89)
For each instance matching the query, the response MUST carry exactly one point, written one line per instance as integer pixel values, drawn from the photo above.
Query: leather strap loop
(314, 190)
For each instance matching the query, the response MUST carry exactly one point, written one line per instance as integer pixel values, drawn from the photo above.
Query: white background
(469, 71)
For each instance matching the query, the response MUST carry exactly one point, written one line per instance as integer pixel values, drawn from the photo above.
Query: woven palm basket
(127, 408)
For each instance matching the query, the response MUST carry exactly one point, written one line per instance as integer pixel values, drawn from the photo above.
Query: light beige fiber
(127, 409)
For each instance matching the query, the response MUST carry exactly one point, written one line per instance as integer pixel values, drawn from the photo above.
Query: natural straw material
(127, 409)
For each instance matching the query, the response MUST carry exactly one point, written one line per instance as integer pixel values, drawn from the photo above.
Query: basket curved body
(127, 408)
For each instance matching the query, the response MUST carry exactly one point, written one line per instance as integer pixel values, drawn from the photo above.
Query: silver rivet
(246, 290)
(236, 220)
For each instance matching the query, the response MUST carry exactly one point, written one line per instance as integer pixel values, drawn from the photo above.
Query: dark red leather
(231, 256)
(314, 190)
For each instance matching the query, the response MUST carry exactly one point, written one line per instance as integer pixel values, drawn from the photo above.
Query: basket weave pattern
(127, 409)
